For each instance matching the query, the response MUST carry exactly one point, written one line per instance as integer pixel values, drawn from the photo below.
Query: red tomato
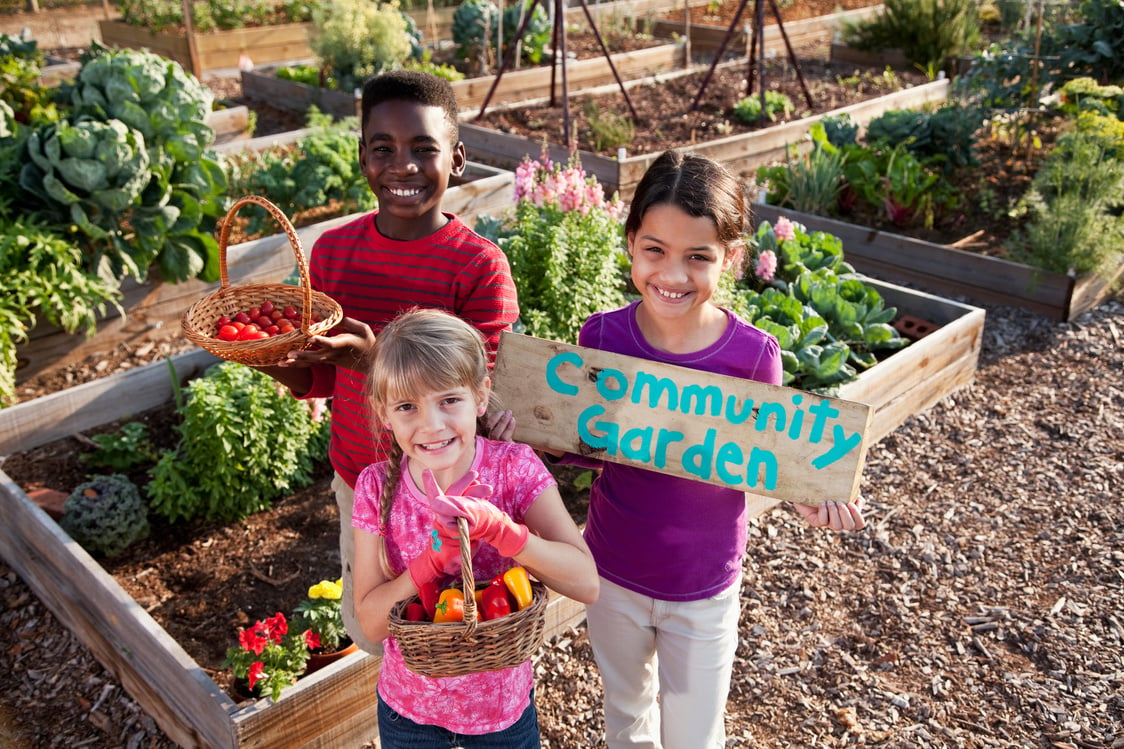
(249, 333)
(291, 313)
(227, 333)
(273, 330)
(223, 320)
(286, 327)
(254, 312)
(243, 318)
(238, 324)
(267, 307)
(275, 315)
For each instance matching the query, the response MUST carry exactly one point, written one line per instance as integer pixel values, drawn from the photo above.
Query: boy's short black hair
(411, 85)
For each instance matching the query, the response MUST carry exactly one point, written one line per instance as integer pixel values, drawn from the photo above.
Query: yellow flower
(327, 589)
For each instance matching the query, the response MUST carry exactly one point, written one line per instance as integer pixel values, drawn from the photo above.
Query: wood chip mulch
(981, 607)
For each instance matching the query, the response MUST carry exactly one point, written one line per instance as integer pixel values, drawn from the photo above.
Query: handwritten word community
(729, 462)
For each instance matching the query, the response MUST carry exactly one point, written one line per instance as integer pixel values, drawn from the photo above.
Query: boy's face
(407, 159)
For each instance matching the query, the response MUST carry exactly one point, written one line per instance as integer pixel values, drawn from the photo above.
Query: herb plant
(243, 443)
(123, 450)
(748, 109)
(355, 39)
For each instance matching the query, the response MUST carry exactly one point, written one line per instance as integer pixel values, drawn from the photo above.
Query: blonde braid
(386, 501)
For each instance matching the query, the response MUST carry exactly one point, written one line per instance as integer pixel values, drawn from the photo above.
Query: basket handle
(294, 243)
(467, 578)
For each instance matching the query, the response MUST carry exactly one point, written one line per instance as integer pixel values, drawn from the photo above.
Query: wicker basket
(469, 647)
(199, 320)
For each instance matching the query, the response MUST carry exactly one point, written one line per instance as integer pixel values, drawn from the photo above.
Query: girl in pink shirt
(429, 387)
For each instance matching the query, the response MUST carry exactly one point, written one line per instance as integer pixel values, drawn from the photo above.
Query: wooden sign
(773, 441)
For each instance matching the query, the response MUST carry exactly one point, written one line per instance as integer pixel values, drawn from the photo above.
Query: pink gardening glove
(442, 556)
(486, 522)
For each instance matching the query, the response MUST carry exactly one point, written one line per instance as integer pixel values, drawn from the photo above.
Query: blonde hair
(420, 351)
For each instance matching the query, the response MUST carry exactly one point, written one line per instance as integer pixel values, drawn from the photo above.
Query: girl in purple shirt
(669, 550)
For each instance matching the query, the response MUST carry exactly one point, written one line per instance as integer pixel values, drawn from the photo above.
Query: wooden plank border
(947, 270)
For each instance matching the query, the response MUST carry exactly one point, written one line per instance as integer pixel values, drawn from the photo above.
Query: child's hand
(838, 516)
(486, 522)
(349, 345)
(442, 556)
(501, 426)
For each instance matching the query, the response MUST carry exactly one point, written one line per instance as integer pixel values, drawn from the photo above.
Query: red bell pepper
(494, 601)
(415, 612)
(429, 594)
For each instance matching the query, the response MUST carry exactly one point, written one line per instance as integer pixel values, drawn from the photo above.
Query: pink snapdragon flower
(784, 229)
(766, 266)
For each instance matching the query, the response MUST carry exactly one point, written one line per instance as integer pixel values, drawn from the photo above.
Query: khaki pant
(345, 498)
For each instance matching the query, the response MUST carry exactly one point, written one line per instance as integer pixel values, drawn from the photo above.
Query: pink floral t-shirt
(477, 703)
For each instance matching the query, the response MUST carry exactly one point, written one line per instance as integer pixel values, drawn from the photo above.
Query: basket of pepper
(450, 633)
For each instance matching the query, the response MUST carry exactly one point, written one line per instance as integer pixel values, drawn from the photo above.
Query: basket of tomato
(257, 324)
(450, 632)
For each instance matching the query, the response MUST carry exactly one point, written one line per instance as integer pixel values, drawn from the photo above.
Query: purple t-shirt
(671, 538)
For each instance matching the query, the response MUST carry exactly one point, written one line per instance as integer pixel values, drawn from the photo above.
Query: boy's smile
(407, 157)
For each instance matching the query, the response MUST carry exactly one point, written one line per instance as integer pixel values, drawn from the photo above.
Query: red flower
(252, 640)
(276, 627)
(311, 639)
(255, 673)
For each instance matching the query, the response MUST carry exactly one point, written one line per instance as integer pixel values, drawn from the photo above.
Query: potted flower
(320, 613)
(269, 657)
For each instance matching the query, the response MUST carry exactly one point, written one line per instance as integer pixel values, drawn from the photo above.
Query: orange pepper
(519, 585)
(450, 607)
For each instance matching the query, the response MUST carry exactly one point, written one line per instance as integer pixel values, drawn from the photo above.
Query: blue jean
(399, 732)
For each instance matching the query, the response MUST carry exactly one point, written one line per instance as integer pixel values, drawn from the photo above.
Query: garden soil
(981, 607)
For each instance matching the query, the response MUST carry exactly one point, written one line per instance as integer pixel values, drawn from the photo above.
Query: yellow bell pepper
(519, 585)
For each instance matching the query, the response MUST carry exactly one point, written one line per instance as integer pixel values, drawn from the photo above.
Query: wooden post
(192, 48)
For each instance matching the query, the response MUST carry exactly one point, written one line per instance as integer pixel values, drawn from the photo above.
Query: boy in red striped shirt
(407, 253)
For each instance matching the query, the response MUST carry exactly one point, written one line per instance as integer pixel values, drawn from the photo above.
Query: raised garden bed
(741, 153)
(217, 50)
(153, 309)
(171, 687)
(514, 86)
(946, 270)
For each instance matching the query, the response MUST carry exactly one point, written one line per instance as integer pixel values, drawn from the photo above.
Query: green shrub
(476, 31)
(123, 450)
(945, 137)
(608, 130)
(214, 15)
(356, 39)
(1074, 208)
(244, 442)
(928, 32)
(105, 515)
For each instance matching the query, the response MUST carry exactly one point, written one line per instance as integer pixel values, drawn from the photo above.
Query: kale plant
(105, 515)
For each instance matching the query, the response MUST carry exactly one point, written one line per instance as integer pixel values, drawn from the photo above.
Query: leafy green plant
(129, 170)
(945, 136)
(810, 184)
(829, 323)
(43, 276)
(476, 26)
(120, 451)
(748, 109)
(840, 130)
(566, 247)
(243, 442)
(355, 39)
(608, 130)
(320, 170)
(310, 75)
(105, 515)
(214, 15)
(928, 32)
(21, 63)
